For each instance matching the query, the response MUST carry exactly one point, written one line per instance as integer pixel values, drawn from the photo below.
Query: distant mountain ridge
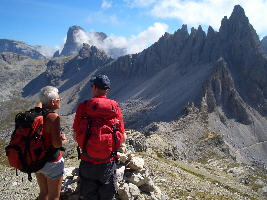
(19, 47)
(16, 71)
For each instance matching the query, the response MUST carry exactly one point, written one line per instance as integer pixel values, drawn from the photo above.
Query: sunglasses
(58, 99)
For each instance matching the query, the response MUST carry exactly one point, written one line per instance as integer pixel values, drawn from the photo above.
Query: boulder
(136, 163)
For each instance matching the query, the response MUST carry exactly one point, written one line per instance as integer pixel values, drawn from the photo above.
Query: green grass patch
(193, 173)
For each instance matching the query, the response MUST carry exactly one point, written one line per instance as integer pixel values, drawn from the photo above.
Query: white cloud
(49, 51)
(194, 13)
(81, 37)
(146, 38)
(45, 50)
(134, 44)
(106, 4)
(211, 12)
(256, 11)
(61, 45)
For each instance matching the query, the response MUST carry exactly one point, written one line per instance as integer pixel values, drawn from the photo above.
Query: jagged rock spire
(239, 14)
(71, 46)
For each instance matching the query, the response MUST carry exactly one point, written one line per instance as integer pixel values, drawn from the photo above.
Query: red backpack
(26, 150)
(97, 129)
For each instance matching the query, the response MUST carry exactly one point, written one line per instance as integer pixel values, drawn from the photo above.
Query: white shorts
(53, 170)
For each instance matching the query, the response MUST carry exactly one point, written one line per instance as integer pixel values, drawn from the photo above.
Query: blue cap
(100, 81)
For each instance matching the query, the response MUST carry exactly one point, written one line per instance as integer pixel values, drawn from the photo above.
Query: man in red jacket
(99, 131)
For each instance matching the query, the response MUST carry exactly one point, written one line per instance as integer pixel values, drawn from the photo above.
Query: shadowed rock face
(56, 54)
(221, 92)
(236, 42)
(19, 48)
(240, 48)
(264, 44)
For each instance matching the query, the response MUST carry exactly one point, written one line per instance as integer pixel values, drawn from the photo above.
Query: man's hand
(122, 148)
(63, 138)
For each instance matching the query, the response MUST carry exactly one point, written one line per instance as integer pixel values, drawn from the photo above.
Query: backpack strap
(45, 111)
(88, 134)
(115, 129)
(115, 153)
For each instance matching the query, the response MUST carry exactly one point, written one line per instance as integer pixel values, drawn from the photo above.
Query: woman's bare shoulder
(52, 116)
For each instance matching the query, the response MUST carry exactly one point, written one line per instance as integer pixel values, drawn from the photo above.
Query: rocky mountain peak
(224, 21)
(72, 31)
(239, 14)
(193, 31)
(238, 26)
(91, 51)
(239, 39)
(184, 28)
(72, 46)
(200, 32)
(239, 44)
(199, 29)
(210, 32)
(182, 32)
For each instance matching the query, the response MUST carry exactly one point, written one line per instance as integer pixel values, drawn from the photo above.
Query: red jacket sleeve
(120, 118)
(77, 119)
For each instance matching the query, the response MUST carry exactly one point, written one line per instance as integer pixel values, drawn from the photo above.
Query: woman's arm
(53, 122)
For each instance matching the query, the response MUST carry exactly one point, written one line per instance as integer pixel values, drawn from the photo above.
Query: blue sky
(134, 22)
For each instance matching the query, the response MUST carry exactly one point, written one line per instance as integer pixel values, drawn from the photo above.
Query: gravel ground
(214, 178)
(177, 179)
